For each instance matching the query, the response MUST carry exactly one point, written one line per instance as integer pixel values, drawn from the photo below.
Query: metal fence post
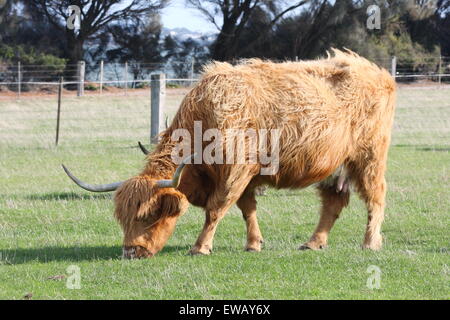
(19, 79)
(101, 77)
(394, 66)
(126, 77)
(440, 70)
(58, 116)
(81, 69)
(158, 97)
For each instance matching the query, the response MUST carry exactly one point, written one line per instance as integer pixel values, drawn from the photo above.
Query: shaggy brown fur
(332, 113)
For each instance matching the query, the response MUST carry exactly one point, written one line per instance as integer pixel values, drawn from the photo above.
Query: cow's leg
(371, 184)
(332, 204)
(228, 191)
(247, 204)
(204, 243)
(375, 201)
(373, 192)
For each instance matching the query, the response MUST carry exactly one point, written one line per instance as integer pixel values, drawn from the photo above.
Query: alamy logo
(74, 19)
(374, 17)
(374, 280)
(230, 146)
(74, 278)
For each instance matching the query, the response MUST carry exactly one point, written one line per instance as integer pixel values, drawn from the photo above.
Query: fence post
(126, 77)
(58, 116)
(158, 97)
(440, 70)
(192, 68)
(101, 77)
(394, 66)
(19, 79)
(81, 68)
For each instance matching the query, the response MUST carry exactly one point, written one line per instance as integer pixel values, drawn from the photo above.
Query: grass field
(48, 224)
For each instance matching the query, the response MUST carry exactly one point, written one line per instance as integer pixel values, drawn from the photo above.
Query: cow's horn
(143, 149)
(94, 188)
(175, 182)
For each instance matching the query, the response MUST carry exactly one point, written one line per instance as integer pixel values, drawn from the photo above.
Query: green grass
(48, 224)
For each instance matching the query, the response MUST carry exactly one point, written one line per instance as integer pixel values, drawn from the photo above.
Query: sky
(176, 15)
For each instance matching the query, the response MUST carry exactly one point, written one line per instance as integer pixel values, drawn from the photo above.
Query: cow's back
(321, 108)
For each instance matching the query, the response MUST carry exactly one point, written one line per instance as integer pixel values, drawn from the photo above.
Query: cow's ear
(170, 204)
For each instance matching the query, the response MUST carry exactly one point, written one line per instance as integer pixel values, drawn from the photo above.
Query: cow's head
(146, 208)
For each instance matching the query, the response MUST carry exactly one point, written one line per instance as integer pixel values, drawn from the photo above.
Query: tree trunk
(220, 48)
(75, 53)
(224, 48)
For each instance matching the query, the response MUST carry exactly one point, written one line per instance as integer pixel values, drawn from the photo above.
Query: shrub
(90, 87)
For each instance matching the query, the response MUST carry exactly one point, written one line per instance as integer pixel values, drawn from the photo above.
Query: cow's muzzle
(136, 252)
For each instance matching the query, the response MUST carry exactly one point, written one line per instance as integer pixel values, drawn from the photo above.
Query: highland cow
(335, 117)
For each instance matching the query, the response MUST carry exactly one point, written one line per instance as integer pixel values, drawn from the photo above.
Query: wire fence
(115, 119)
(23, 78)
(119, 121)
(431, 69)
(117, 109)
(15, 80)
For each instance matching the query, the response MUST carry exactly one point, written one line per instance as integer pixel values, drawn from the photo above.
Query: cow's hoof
(204, 251)
(255, 246)
(312, 246)
(374, 245)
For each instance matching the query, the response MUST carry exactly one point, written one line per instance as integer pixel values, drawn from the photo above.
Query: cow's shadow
(424, 147)
(55, 196)
(15, 256)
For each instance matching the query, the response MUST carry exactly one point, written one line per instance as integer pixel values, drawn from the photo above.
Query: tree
(29, 41)
(235, 15)
(308, 34)
(26, 28)
(96, 15)
(137, 42)
(6, 13)
(442, 18)
(262, 47)
(305, 35)
(183, 53)
(11, 21)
